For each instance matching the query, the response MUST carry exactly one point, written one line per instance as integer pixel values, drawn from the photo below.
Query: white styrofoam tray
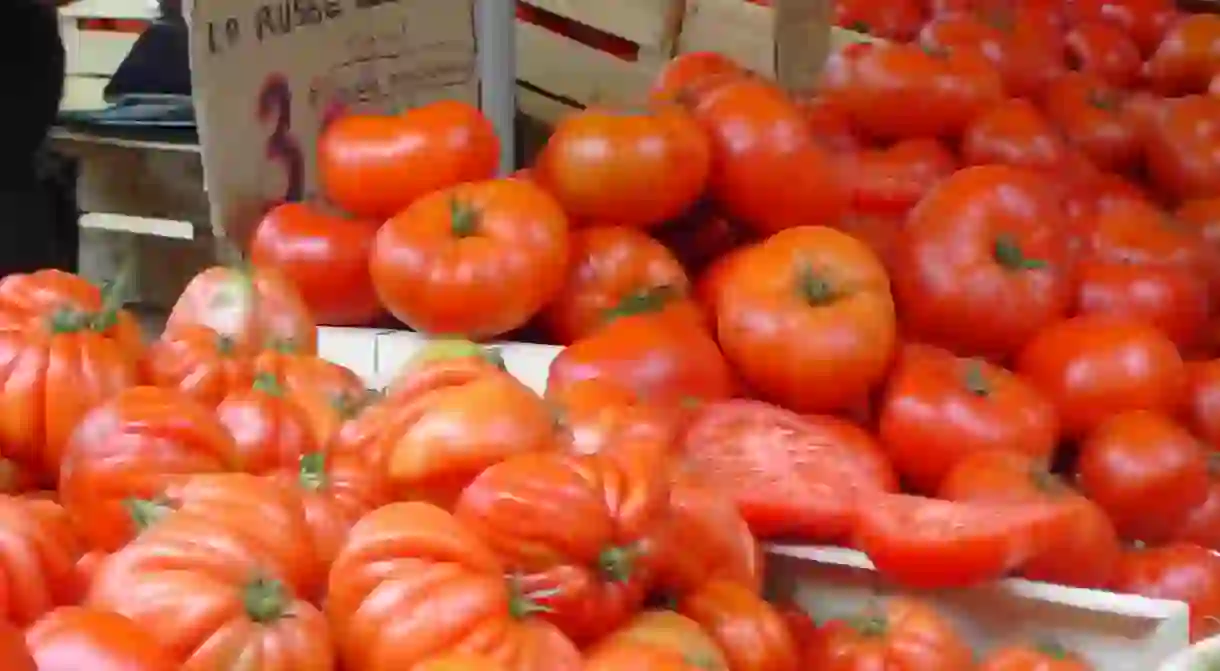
(1115, 632)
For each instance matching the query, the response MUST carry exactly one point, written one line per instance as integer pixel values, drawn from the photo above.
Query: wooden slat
(540, 107)
(123, 223)
(572, 70)
(649, 23)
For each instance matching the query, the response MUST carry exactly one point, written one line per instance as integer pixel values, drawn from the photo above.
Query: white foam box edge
(1115, 632)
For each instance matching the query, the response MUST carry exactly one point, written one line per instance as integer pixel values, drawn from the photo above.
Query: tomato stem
(268, 384)
(522, 605)
(464, 219)
(266, 600)
(145, 513)
(616, 564)
(1009, 254)
(312, 475)
(814, 288)
(975, 379)
(348, 406)
(644, 301)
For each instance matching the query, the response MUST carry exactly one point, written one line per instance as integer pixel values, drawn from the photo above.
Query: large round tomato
(133, 447)
(477, 260)
(702, 537)
(1146, 21)
(1186, 59)
(73, 638)
(1102, 50)
(751, 633)
(1085, 555)
(896, 91)
(1177, 572)
(790, 475)
(933, 544)
(374, 166)
(1174, 300)
(1094, 367)
(1184, 148)
(1046, 657)
(51, 374)
(807, 319)
(1091, 115)
(1014, 133)
(616, 271)
(573, 529)
(326, 257)
(1146, 471)
(405, 559)
(238, 596)
(985, 237)
(900, 633)
(668, 631)
(939, 408)
(767, 170)
(446, 421)
(255, 307)
(624, 167)
(662, 361)
(38, 560)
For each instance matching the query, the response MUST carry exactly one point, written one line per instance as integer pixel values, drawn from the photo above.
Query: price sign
(269, 74)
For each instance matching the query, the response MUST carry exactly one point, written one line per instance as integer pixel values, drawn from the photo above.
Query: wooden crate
(609, 52)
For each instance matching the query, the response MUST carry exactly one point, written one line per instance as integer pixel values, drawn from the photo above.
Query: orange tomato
(670, 632)
(73, 638)
(750, 632)
(902, 632)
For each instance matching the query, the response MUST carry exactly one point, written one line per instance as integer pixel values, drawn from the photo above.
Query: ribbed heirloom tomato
(325, 256)
(807, 319)
(670, 632)
(986, 237)
(255, 307)
(1045, 657)
(899, 633)
(573, 530)
(374, 166)
(73, 638)
(412, 583)
(476, 260)
(597, 416)
(939, 409)
(635, 168)
(13, 652)
(27, 298)
(751, 633)
(38, 554)
(616, 271)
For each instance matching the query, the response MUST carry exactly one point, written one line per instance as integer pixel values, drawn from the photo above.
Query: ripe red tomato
(752, 634)
(890, 20)
(1202, 525)
(901, 633)
(891, 181)
(1174, 300)
(1087, 552)
(1092, 116)
(1095, 367)
(790, 475)
(617, 271)
(986, 236)
(1178, 572)
(1184, 148)
(829, 123)
(807, 319)
(375, 166)
(892, 90)
(1013, 133)
(767, 170)
(1043, 657)
(631, 168)
(477, 260)
(1026, 55)
(694, 72)
(1103, 50)
(1203, 401)
(13, 651)
(1204, 216)
(1146, 21)
(1146, 471)
(932, 544)
(939, 409)
(1187, 58)
(326, 257)
(73, 638)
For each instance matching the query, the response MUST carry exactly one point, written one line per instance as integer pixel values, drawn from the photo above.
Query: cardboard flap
(802, 42)
(267, 75)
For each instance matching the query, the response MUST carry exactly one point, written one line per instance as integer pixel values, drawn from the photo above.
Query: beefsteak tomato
(51, 293)
(476, 260)
(751, 633)
(256, 307)
(38, 560)
(1045, 657)
(900, 633)
(668, 631)
(199, 362)
(74, 638)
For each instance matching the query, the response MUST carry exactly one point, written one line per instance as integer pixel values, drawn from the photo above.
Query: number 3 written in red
(275, 108)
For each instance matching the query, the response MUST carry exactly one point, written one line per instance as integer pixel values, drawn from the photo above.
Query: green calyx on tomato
(464, 219)
(815, 289)
(860, 27)
(268, 384)
(447, 348)
(147, 512)
(522, 605)
(616, 564)
(312, 473)
(644, 301)
(349, 405)
(871, 626)
(1008, 253)
(975, 379)
(266, 600)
